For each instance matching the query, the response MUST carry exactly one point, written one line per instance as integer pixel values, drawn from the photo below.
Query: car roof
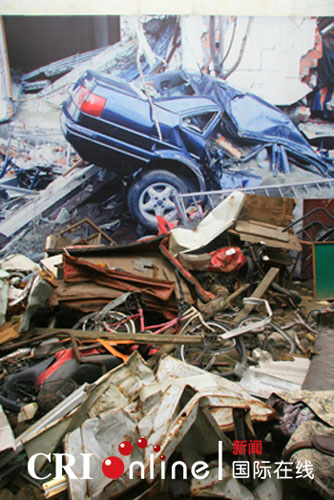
(186, 104)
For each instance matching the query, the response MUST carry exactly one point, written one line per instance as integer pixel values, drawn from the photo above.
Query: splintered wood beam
(138, 338)
(258, 292)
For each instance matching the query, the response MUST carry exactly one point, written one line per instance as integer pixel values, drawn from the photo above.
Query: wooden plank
(219, 304)
(258, 292)
(264, 230)
(292, 244)
(270, 209)
(138, 338)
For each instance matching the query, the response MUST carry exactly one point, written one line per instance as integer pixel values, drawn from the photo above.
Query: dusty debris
(270, 376)
(27, 412)
(92, 356)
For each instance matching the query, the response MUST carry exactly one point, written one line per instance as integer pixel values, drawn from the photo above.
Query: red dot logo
(125, 448)
(113, 467)
(141, 443)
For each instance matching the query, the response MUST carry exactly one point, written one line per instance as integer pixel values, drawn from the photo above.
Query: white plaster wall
(271, 61)
(196, 7)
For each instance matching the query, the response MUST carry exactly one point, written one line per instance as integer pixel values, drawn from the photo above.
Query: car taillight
(93, 104)
(88, 102)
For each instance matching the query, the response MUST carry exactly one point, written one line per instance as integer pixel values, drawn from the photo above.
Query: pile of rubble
(188, 364)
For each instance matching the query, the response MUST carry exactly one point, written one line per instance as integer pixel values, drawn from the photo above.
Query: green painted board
(323, 269)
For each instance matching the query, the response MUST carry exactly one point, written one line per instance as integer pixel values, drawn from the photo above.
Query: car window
(198, 122)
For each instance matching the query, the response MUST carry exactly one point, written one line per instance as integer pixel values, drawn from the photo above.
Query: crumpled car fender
(166, 154)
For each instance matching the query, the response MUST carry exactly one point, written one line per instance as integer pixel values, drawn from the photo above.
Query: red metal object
(227, 259)
(164, 226)
(79, 270)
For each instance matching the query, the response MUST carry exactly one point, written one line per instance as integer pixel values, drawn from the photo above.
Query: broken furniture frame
(55, 243)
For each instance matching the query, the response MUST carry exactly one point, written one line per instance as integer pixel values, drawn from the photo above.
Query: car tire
(152, 195)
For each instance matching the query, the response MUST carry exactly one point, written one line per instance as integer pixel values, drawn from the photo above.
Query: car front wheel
(153, 194)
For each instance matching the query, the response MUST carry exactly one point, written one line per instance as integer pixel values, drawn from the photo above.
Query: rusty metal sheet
(176, 371)
(131, 402)
(92, 297)
(82, 270)
(213, 487)
(149, 264)
(157, 245)
(123, 385)
(101, 436)
(176, 405)
(67, 292)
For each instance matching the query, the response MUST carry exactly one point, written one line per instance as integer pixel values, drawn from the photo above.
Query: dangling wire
(145, 49)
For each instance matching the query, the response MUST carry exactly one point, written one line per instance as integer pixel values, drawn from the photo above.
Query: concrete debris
(19, 264)
(76, 185)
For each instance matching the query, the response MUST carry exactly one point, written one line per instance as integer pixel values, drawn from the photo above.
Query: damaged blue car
(182, 132)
